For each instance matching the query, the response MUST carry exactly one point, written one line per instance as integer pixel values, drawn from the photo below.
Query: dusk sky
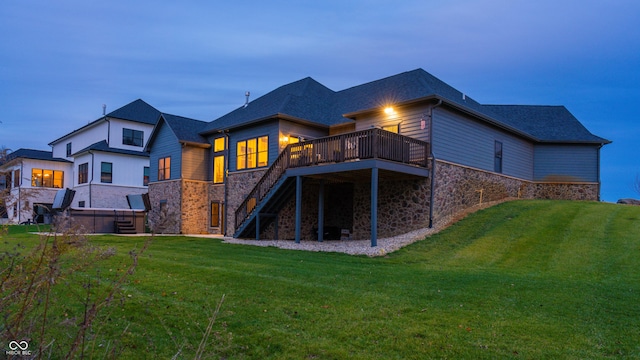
(61, 60)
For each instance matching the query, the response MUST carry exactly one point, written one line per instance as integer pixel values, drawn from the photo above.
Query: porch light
(389, 111)
(284, 139)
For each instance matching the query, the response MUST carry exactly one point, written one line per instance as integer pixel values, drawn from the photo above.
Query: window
(497, 160)
(81, 203)
(253, 153)
(16, 178)
(7, 181)
(47, 178)
(83, 173)
(145, 176)
(164, 168)
(216, 208)
(218, 160)
(393, 128)
(106, 172)
(132, 137)
(68, 149)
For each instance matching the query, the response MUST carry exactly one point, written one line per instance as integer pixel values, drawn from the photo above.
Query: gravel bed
(363, 247)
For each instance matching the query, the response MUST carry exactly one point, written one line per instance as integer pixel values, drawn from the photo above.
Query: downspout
(20, 192)
(91, 181)
(599, 183)
(225, 179)
(433, 163)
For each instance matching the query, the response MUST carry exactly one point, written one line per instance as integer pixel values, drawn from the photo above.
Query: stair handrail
(264, 185)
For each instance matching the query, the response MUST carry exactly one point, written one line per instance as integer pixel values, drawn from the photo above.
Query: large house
(102, 162)
(378, 159)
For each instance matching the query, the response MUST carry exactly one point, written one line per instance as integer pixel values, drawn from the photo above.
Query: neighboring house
(103, 161)
(378, 159)
(32, 178)
(109, 161)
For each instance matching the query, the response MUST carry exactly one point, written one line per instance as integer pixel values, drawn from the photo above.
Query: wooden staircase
(125, 227)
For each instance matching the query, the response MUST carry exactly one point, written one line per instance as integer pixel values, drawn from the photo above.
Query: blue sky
(61, 60)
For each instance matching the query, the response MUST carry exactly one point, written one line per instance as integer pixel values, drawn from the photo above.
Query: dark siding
(165, 144)
(566, 163)
(195, 163)
(270, 129)
(468, 142)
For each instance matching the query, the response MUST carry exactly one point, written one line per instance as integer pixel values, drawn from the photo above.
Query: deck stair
(125, 227)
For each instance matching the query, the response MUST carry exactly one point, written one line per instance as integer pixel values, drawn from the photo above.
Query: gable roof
(545, 123)
(304, 100)
(102, 146)
(308, 101)
(186, 130)
(33, 155)
(137, 111)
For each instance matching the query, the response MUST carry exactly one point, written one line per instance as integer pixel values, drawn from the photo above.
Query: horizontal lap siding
(566, 163)
(410, 120)
(468, 142)
(195, 163)
(165, 144)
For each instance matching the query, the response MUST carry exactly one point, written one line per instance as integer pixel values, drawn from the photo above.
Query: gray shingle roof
(310, 101)
(138, 111)
(304, 99)
(186, 129)
(34, 155)
(102, 146)
(544, 123)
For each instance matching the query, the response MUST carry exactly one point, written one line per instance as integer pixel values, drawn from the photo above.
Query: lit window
(47, 178)
(392, 128)
(253, 153)
(106, 172)
(164, 168)
(218, 144)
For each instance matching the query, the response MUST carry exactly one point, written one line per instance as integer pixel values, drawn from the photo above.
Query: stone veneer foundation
(403, 205)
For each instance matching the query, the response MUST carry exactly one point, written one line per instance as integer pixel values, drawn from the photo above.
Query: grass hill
(523, 279)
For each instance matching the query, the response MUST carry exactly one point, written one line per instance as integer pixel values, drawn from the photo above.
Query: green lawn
(522, 280)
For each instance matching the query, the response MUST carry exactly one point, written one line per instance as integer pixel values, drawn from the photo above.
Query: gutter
(433, 163)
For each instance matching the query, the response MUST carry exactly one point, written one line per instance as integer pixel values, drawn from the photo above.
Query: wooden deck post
(321, 211)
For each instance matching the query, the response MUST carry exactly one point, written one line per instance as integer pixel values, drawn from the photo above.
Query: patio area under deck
(369, 170)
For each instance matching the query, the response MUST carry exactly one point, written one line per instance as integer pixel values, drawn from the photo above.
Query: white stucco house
(103, 161)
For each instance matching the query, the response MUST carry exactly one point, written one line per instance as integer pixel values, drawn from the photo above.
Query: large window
(145, 176)
(497, 159)
(164, 168)
(106, 172)
(253, 153)
(132, 137)
(218, 160)
(83, 173)
(47, 178)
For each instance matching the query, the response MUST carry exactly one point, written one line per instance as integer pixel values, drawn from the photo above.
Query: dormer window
(132, 137)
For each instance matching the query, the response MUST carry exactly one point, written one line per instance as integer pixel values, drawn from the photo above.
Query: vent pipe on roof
(104, 109)
(246, 102)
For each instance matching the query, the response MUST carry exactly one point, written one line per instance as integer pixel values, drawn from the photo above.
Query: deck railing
(366, 144)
